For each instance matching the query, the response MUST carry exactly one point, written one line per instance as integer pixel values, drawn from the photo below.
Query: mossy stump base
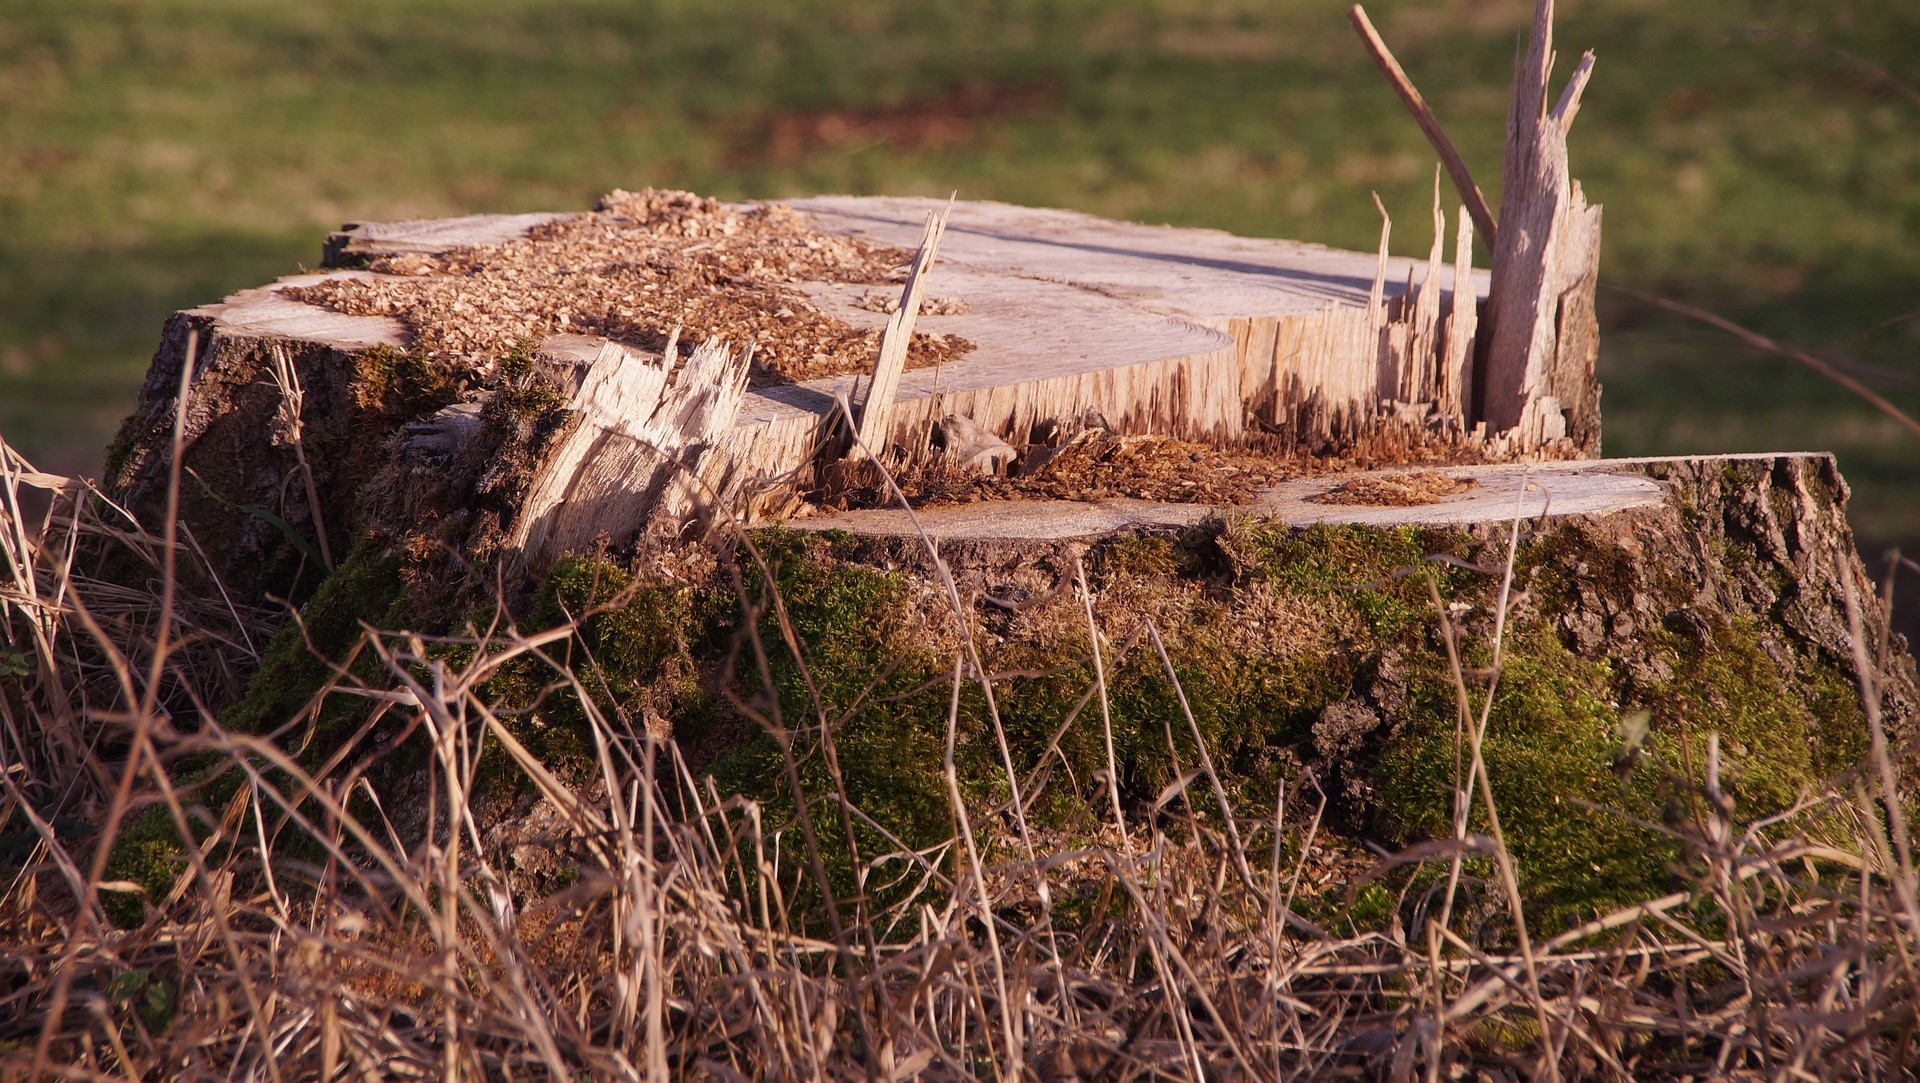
(1710, 594)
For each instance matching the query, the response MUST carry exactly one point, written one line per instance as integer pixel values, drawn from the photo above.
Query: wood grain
(630, 462)
(1187, 333)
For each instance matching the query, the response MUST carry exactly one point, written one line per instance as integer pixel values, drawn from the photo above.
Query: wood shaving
(889, 303)
(638, 265)
(1396, 490)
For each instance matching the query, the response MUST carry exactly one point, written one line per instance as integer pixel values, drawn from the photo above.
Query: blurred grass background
(159, 153)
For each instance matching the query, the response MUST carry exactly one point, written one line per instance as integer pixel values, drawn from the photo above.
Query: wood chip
(637, 266)
(1396, 490)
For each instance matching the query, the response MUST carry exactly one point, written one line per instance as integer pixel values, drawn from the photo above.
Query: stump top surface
(1199, 274)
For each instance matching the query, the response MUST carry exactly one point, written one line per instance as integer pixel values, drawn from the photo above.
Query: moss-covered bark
(1310, 659)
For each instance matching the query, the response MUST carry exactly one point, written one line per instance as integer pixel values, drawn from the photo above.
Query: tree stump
(467, 442)
(988, 532)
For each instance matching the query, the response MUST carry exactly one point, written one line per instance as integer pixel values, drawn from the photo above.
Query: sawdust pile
(1396, 490)
(638, 265)
(1099, 465)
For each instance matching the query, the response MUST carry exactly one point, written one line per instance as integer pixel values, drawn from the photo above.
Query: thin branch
(1853, 60)
(1430, 124)
(1761, 342)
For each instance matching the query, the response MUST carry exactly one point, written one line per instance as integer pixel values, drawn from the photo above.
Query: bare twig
(1761, 342)
(1410, 96)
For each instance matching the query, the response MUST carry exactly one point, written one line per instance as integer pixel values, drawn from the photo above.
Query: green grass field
(158, 153)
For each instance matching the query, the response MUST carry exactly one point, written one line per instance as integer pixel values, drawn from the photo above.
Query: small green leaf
(127, 983)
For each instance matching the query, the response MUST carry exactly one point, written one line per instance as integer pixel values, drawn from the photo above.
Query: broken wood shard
(1543, 334)
(630, 463)
(872, 401)
(1537, 385)
(1463, 321)
(967, 446)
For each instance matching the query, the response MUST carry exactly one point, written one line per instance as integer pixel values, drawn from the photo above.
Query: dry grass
(307, 936)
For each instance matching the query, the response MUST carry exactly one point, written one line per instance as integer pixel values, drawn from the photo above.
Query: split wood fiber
(1543, 335)
(1536, 377)
(876, 396)
(644, 423)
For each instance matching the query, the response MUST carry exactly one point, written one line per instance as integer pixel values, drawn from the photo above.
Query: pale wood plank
(1552, 489)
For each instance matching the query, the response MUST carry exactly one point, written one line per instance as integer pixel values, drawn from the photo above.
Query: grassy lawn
(158, 153)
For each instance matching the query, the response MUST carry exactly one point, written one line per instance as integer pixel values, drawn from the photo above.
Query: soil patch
(637, 266)
(951, 119)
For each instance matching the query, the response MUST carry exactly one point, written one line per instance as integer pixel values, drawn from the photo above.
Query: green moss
(634, 628)
(1550, 749)
(299, 660)
(148, 853)
(1571, 564)
(1144, 554)
(630, 650)
(1264, 627)
(1382, 570)
(1554, 757)
(401, 384)
(294, 668)
(149, 992)
(119, 450)
(1779, 735)
(867, 671)
(525, 392)
(1373, 907)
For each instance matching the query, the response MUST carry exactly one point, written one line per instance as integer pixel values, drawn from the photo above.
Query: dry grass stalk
(681, 948)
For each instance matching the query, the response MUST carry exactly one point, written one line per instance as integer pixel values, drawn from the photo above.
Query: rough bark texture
(1309, 656)
(1718, 608)
(241, 470)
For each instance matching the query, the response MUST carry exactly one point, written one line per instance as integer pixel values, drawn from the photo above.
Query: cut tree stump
(1711, 602)
(1376, 421)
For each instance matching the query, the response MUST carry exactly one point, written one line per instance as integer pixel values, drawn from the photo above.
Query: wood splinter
(1540, 336)
(871, 400)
